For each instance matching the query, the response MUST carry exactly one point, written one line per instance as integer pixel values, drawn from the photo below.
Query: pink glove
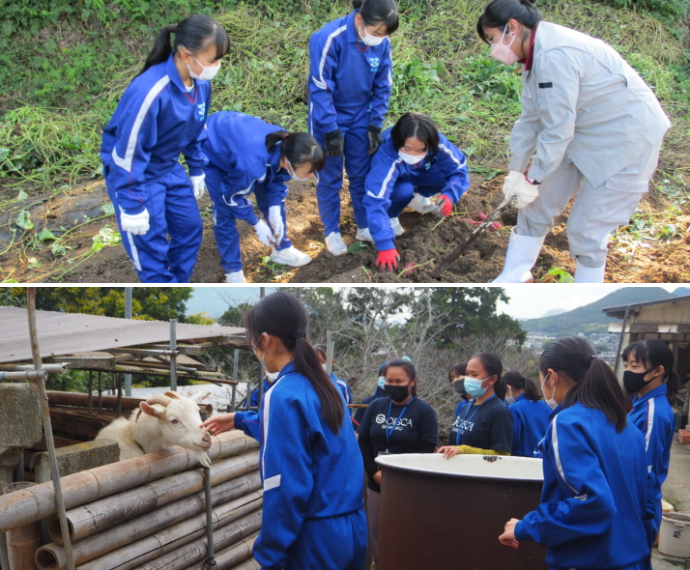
(444, 206)
(387, 260)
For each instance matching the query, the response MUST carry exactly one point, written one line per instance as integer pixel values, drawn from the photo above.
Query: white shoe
(584, 274)
(396, 227)
(363, 234)
(520, 258)
(290, 256)
(422, 204)
(335, 244)
(235, 277)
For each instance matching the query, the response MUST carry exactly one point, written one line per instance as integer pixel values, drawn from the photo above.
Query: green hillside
(590, 318)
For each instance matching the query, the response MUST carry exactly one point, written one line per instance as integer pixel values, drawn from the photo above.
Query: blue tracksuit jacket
(595, 507)
(530, 421)
(653, 416)
(239, 164)
(344, 388)
(312, 480)
(156, 120)
(350, 86)
(391, 183)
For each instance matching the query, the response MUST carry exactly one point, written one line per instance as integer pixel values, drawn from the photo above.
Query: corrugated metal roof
(67, 333)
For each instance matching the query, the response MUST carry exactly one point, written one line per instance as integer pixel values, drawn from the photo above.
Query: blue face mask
(473, 387)
(382, 381)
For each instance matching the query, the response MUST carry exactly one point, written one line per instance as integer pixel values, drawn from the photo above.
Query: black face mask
(459, 386)
(634, 381)
(396, 393)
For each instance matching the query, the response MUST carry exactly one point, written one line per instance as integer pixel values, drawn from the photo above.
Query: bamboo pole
(250, 564)
(235, 493)
(108, 512)
(132, 555)
(236, 554)
(31, 505)
(242, 532)
(23, 541)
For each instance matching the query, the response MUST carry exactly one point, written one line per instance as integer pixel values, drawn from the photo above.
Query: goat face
(178, 422)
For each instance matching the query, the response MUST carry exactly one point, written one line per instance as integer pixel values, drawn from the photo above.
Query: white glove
(199, 185)
(135, 224)
(275, 218)
(516, 184)
(263, 232)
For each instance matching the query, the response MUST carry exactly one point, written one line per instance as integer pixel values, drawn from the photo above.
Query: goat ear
(152, 410)
(198, 396)
(173, 395)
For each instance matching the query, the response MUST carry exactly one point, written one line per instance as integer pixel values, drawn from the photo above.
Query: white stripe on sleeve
(650, 423)
(557, 456)
(272, 483)
(320, 83)
(386, 180)
(445, 149)
(126, 162)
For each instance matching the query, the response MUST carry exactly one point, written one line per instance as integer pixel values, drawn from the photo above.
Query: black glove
(334, 143)
(374, 135)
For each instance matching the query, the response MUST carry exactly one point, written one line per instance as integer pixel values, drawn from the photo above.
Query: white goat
(167, 419)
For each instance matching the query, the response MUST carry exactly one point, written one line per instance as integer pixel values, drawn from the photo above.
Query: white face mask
(368, 39)
(207, 73)
(553, 404)
(292, 173)
(502, 52)
(325, 367)
(411, 158)
(272, 376)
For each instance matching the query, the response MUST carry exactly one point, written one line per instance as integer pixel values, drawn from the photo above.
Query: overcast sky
(526, 301)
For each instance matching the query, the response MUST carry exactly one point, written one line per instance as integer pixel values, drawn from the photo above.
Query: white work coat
(582, 101)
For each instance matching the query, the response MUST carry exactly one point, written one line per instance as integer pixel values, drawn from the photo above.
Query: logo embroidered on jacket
(202, 111)
(374, 63)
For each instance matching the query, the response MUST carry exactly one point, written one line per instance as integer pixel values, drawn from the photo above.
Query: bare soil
(424, 244)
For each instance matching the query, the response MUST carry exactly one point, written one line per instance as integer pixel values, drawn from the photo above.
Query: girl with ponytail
(596, 507)
(311, 467)
(650, 377)
(161, 116)
(246, 154)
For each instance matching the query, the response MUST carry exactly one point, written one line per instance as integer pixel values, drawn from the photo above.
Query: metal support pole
(4, 557)
(128, 315)
(100, 391)
(90, 391)
(40, 388)
(118, 382)
(210, 555)
(235, 374)
(330, 349)
(620, 341)
(173, 355)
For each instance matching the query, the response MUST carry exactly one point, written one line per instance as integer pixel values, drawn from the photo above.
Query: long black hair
(378, 12)
(407, 366)
(282, 315)
(415, 125)
(498, 13)
(196, 32)
(516, 380)
(298, 148)
(596, 386)
(653, 353)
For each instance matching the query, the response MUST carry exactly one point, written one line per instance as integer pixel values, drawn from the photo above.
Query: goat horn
(173, 395)
(161, 399)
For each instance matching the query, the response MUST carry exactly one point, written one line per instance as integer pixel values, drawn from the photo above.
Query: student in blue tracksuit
(650, 376)
(245, 155)
(322, 351)
(309, 460)
(595, 509)
(350, 82)
(414, 158)
(160, 116)
(397, 423)
(378, 393)
(530, 414)
(482, 426)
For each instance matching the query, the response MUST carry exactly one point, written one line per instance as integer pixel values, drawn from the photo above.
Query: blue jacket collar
(274, 163)
(520, 397)
(658, 391)
(289, 367)
(555, 411)
(171, 71)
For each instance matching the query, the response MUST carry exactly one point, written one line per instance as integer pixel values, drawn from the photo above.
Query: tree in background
(148, 303)
(234, 315)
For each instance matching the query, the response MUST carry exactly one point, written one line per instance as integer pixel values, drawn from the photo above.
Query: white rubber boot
(520, 258)
(290, 256)
(363, 234)
(235, 277)
(584, 274)
(335, 244)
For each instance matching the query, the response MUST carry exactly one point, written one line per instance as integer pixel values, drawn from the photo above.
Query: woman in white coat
(589, 127)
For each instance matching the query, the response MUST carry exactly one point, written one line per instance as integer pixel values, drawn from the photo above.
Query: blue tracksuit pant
(173, 212)
(224, 221)
(429, 184)
(357, 160)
